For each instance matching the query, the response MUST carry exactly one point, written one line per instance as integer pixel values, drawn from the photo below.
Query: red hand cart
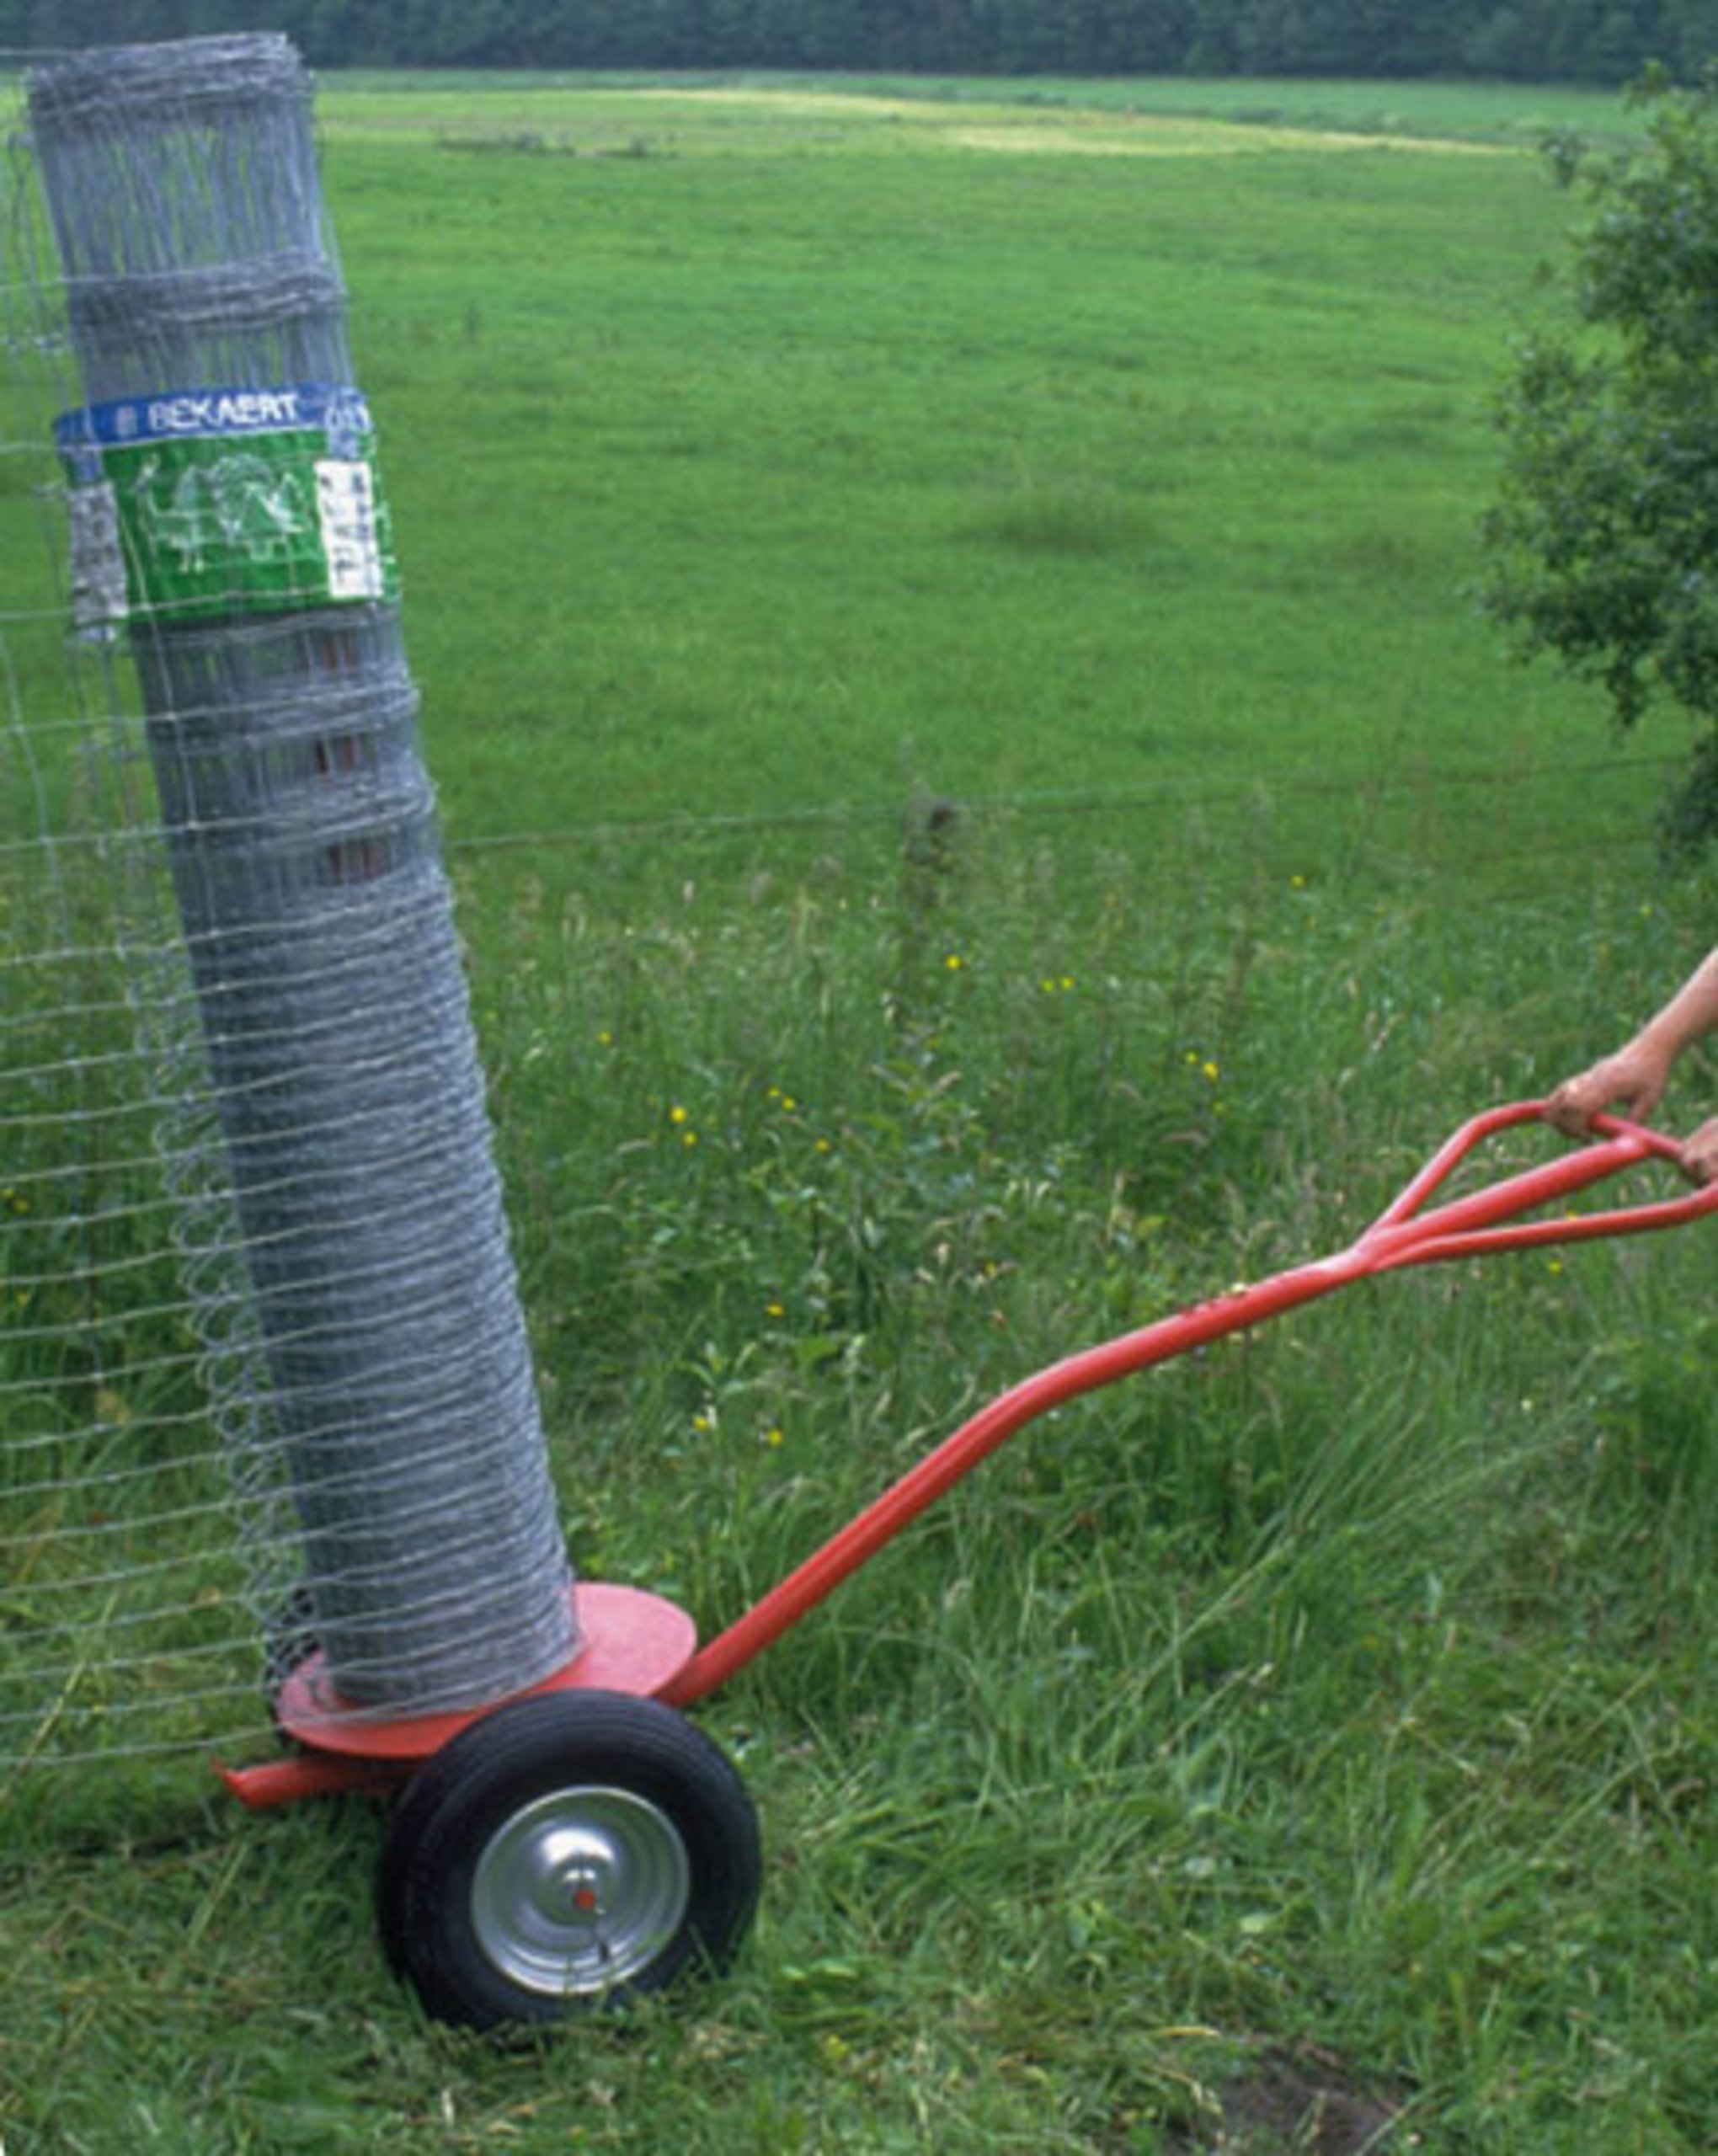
(584, 1841)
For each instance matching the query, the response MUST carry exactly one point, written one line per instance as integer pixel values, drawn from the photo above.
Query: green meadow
(967, 446)
(983, 812)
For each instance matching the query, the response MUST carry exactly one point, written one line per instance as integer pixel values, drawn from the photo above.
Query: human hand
(1632, 1081)
(1699, 1158)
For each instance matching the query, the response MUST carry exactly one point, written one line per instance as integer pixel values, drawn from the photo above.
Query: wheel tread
(511, 1757)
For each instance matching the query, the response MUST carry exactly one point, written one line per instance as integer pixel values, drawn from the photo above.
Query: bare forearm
(1690, 1014)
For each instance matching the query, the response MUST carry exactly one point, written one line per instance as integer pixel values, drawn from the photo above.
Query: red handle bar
(1405, 1234)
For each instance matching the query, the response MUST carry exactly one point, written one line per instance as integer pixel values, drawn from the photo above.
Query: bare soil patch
(1300, 2103)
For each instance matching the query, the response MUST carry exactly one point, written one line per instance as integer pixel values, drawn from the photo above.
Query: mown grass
(1006, 468)
(1344, 1693)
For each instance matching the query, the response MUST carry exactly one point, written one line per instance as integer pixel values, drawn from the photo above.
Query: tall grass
(1340, 1688)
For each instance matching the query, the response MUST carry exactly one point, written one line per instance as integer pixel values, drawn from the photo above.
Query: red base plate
(630, 1641)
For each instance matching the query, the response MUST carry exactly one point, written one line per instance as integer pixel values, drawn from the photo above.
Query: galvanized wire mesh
(244, 1041)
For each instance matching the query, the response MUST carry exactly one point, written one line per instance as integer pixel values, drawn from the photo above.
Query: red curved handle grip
(1490, 1220)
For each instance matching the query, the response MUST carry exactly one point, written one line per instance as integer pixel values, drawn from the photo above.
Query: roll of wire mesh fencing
(226, 522)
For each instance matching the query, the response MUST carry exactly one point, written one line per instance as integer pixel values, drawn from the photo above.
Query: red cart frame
(582, 1841)
(635, 1643)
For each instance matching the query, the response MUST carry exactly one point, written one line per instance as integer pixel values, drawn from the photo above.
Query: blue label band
(338, 412)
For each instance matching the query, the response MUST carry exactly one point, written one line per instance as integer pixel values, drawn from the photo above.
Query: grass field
(971, 442)
(1332, 1712)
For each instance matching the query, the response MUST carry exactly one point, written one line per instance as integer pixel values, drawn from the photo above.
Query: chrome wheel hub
(581, 1891)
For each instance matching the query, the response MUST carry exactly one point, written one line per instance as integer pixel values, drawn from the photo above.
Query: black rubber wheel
(563, 1853)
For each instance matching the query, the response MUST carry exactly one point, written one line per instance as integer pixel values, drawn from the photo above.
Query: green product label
(215, 502)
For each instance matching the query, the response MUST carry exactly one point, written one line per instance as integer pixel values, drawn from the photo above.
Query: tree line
(1590, 41)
